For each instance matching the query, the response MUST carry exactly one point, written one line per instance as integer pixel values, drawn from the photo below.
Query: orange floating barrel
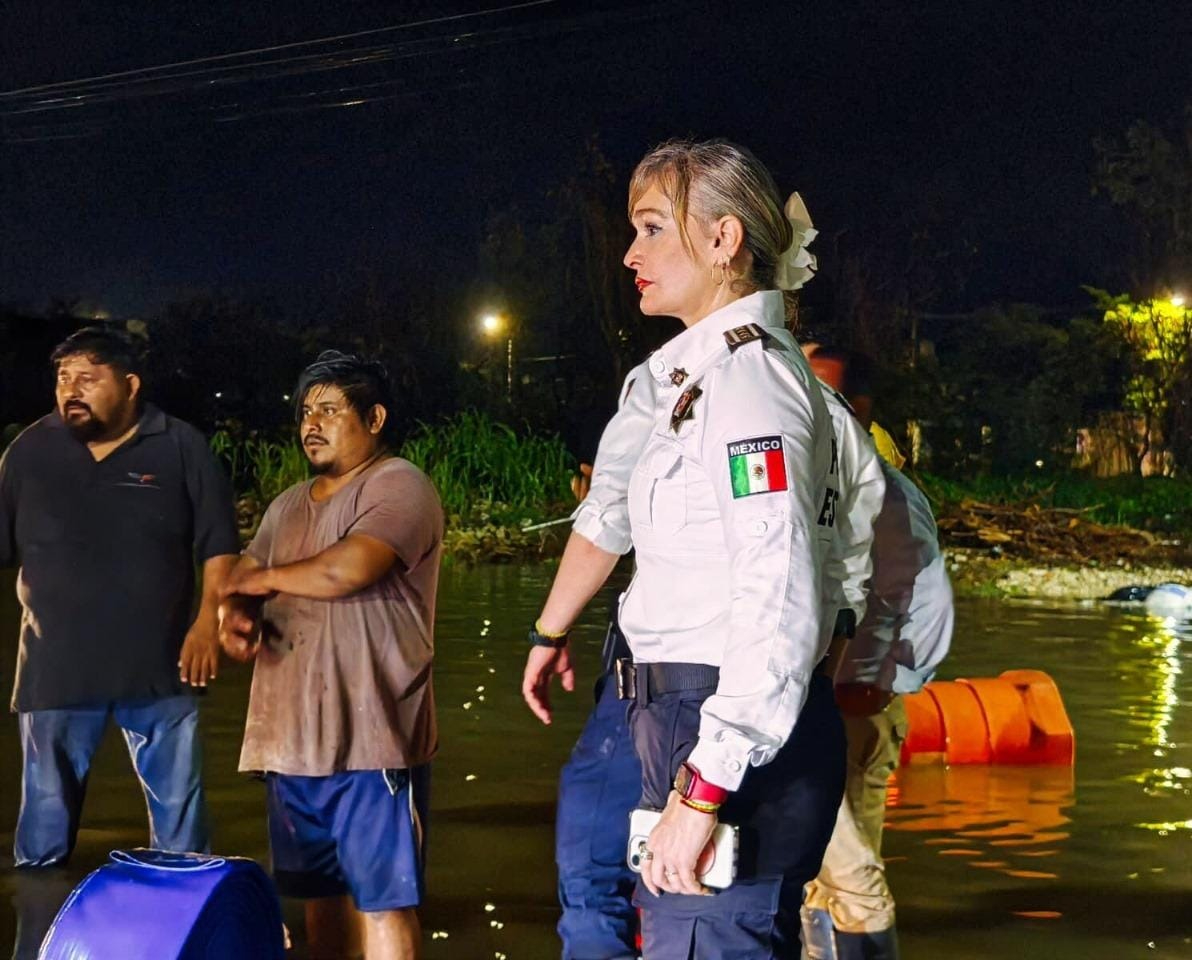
(1006, 719)
(1016, 718)
(1052, 738)
(925, 729)
(966, 738)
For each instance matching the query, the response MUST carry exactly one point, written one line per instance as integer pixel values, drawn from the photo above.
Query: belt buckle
(625, 672)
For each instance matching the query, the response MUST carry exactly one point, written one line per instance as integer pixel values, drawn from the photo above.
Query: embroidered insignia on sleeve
(739, 336)
(757, 465)
(682, 409)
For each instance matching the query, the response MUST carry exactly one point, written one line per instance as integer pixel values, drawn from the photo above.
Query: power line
(247, 89)
(82, 112)
(430, 21)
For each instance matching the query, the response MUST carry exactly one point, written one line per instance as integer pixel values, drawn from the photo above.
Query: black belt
(645, 681)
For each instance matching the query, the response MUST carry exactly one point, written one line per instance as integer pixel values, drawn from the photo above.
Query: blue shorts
(361, 832)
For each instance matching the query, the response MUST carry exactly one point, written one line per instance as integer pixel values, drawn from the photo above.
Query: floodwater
(1086, 864)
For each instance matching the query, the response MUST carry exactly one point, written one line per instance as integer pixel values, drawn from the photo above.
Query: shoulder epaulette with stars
(739, 336)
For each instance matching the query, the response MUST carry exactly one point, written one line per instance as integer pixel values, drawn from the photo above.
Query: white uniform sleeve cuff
(591, 524)
(722, 762)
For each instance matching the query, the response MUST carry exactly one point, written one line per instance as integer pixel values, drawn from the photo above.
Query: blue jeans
(598, 788)
(162, 739)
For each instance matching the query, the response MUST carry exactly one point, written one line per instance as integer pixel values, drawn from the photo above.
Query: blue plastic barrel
(152, 905)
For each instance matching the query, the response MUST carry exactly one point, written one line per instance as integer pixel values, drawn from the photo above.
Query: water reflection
(1164, 639)
(1003, 819)
(986, 862)
(36, 896)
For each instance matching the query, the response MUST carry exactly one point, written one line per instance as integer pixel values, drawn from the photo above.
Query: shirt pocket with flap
(658, 490)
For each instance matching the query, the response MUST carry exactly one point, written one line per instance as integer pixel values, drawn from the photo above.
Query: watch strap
(539, 638)
(697, 789)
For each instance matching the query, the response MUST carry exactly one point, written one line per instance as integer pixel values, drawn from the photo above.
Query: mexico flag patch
(756, 466)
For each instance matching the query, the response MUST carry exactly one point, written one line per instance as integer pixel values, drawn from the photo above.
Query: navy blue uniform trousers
(598, 788)
(785, 811)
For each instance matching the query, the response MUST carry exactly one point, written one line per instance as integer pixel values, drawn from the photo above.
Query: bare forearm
(339, 571)
(313, 578)
(583, 570)
(216, 571)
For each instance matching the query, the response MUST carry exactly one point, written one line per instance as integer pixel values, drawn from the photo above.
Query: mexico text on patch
(756, 465)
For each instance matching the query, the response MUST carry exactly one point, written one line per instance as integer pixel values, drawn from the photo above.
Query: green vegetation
(1157, 334)
(484, 468)
(492, 480)
(1162, 504)
(259, 467)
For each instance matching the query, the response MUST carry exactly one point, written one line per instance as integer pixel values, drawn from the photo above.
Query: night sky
(259, 176)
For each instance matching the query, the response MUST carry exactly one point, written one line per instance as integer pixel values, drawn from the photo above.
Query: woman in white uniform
(732, 508)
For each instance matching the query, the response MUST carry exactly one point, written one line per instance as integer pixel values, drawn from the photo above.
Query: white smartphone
(723, 868)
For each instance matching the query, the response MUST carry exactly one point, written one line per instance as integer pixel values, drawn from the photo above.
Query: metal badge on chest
(683, 409)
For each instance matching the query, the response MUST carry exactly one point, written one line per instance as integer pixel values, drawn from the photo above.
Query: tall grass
(485, 471)
(472, 459)
(260, 468)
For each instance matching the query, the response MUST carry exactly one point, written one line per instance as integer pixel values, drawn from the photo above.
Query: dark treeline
(998, 390)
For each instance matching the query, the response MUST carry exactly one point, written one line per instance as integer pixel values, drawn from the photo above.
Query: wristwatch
(539, 638)
(696, 792)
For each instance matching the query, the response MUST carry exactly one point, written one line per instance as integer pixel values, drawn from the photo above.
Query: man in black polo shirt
(107, 503)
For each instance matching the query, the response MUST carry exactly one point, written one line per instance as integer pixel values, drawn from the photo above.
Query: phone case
(721, 872)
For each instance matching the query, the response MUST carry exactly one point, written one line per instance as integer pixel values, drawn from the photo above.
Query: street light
(495, 325)
(1177, 300)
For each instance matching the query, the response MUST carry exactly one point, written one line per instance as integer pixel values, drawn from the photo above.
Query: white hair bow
(796, 265)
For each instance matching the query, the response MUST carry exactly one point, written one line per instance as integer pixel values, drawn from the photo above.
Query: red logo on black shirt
(141, 480)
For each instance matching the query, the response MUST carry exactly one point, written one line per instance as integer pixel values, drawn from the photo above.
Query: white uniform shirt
(862, 487)
(603, 516)
(732, 506)
(907, 628)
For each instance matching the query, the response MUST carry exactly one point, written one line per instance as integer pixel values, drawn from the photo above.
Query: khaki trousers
(851, 885)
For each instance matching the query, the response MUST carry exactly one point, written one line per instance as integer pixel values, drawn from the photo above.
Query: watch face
(683, 780)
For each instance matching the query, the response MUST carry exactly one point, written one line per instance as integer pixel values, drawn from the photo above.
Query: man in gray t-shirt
(335, 600)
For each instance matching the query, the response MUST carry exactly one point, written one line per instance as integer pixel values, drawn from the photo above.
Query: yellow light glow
(1166, 643)
(1177, 300)
(491, 323)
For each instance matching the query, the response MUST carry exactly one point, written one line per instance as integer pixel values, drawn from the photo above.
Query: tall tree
(1157, 335)
(1147, 173)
